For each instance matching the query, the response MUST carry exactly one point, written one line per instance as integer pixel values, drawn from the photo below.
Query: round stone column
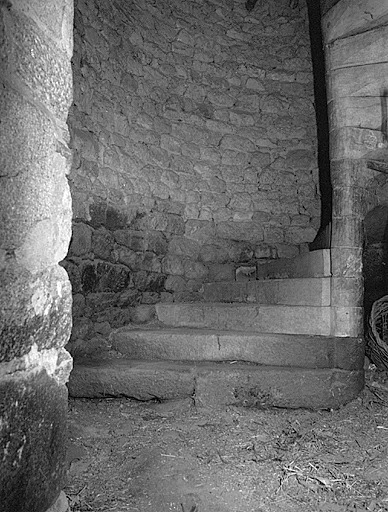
(356, 74)
(346, 250)
(35, 229)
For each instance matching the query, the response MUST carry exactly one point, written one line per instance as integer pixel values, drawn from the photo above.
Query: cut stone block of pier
(311, 264)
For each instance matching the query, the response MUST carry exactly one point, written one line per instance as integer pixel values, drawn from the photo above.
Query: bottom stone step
(216, 385)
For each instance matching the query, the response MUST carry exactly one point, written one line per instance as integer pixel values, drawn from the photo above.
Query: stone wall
(36, 44)
(194, 139)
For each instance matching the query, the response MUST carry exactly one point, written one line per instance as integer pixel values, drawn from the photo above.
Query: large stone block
(347, 321)
(33, 435)
(37, 63)
(36, 310)
(195, 270)
(246, 231)
(288, 350)
(81, 242)
(314, 320)
(221, 272)
(293, 292)
(351, 142)
(217, 385)
(347, 232)
(346, 262)
(348, 17)
(346, 291)
(312, 264)
(30, 131)
(122, 377)
(48, 240)
(102, 244)
(351, 172)
(348, 201)
(104, 277)
(134, 240)
(157, 243)
(34, 197)
(149, 281)
(55, 16)
(355, 111)
(173, 265)
(271, 386)
(183, 247)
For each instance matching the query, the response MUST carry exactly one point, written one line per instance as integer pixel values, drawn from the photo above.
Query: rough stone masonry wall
(35, 227)
(194, 139)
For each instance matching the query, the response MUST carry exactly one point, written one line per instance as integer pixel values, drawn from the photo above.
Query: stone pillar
(356, 73)
(346, 249)
(35, 229)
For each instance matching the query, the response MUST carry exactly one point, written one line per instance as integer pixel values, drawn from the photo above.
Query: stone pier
(36, 44)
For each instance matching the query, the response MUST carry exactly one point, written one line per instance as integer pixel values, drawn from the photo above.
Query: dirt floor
(126, 456)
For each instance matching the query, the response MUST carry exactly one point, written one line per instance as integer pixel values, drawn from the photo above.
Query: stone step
(313, 320)
(311, 264)
(216, 385)
(267, 349)
(289, 292)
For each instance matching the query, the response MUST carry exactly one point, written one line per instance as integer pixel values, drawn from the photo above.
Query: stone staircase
(262, 342)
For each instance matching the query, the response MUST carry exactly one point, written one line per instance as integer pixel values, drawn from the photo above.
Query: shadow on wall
(375, 256)
(321, 113)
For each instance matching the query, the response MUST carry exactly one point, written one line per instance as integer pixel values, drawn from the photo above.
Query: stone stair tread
(311, 264)
(306, 291)
(159, 328)
(287, 319)
(269, 281)
(215, 384)
(293, 350)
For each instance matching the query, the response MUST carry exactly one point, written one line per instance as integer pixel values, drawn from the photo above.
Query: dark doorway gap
(321, 111)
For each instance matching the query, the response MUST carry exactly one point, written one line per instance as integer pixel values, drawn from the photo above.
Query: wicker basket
(377, 333)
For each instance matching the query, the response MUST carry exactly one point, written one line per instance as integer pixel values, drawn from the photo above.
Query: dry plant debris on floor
(128, 456)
